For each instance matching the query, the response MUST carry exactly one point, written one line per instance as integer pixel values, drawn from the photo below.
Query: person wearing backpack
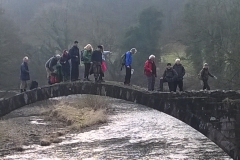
(52, 62)
(24, 75)
(178, 67)
(170, 76)
(204, 74)
(151, 72)
(127, 64)
(86, 59)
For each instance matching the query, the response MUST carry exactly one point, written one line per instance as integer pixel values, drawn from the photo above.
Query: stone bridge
(215, 114)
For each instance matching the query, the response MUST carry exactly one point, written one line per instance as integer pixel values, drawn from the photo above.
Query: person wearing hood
(204, 74)
(169, 76)
(24, 74)
(64, 61)
(150, 72)
(52, 62)
(75, 61)
(178, 67)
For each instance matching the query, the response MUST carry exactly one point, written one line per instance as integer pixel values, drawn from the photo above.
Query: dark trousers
(87, 69)
(205, 85)
(66, 71)
(178, 84)
(101, 76)
(128, 75)
(96, 70)
(74, 71)
(170, 85)
(151, 82)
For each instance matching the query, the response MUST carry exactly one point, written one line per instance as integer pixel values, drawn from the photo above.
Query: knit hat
(205, 64)
(169, 64)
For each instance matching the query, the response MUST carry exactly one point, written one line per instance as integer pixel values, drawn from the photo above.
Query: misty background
(192, 30)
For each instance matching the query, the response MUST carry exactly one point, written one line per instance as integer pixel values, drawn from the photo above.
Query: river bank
(44, 122)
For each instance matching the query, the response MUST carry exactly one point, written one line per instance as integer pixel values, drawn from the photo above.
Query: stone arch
(194, 108)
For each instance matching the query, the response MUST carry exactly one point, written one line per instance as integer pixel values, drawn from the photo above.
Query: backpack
(81, 55)
(34, 84)
(123, 58)
(199, 75)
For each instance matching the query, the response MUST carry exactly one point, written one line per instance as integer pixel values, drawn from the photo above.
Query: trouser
(128, 75)
(66, 72)
(96, 70)
(101, 75)
(205, 85)
(170, 85)
(23, 85)
(87, 69)
(151, 82)
(179, 84)
(74, 71)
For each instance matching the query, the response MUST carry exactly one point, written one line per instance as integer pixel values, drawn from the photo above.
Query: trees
(144, 36)
(212, 35)
(11, 52)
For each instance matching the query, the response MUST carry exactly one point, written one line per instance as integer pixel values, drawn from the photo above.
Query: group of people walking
(173, 75)
(65, 67)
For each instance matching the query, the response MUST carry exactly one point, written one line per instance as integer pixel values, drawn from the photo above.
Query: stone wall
(215, 114)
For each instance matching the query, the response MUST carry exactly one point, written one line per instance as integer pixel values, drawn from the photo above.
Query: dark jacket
(64, 59)
(65, 64)
(170, 75)
(74, 54)
(24, 72)
(150, 68)
(51, 63)
(96, 56)
(205, 73)
(180, 71)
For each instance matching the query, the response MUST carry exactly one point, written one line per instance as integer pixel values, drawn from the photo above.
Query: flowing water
(133, 132)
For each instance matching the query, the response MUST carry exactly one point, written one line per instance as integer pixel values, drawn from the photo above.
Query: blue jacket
(24, 72)
(128, 58)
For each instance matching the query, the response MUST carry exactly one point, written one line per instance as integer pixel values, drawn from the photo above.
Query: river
(133, 132)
